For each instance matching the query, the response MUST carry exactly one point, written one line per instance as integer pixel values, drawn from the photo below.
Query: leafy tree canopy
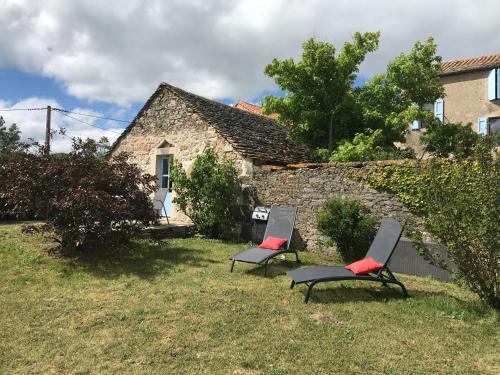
(9, 137)
(443, 140)
(391, 101)
(318, 105)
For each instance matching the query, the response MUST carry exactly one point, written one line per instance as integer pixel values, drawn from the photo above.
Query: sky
(107, 57)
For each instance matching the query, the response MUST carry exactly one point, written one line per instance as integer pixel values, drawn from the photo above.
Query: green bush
(443, 140)
(369, 145)
(209, 195)
(463, 211)
(349, 225)
(88, 204)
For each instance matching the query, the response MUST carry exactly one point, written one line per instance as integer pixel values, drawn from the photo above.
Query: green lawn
(175, 308)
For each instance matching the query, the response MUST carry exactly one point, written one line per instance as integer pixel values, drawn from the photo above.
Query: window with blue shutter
(415, 125)
(482, 126)
(439, 109)
(494, 84)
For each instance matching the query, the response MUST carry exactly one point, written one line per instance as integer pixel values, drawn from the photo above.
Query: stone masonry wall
(309, 186)
(169, 127)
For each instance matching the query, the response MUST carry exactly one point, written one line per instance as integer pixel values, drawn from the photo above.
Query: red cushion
(364, 266)
(272, 243)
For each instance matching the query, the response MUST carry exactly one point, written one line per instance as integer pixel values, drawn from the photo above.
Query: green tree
(208, 195)
(9, 137)
(318, 105)
(370, 145)
(391, 101)
(444, 139)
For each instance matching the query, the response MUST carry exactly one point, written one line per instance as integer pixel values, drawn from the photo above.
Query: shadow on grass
(143, 259)
(446, 304)
(274, 268)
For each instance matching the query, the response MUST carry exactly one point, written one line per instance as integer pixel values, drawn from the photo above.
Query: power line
(22, 109)
(90, 115)
(86, 123)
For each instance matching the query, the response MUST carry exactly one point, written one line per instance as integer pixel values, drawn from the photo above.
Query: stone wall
(309, 186)
(169, 127)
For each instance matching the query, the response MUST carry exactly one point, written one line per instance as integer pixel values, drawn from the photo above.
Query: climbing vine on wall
(405, 180)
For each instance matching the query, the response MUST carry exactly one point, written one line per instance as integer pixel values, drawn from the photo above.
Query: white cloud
(32, 123)
(119, 51)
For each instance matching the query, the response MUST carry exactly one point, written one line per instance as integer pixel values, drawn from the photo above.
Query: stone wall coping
(357, 164)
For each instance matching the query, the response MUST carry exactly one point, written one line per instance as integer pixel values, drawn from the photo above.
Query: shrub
(369, 145)
(88, 203)
(348, 224)
(208, 196)
(443, 140)
(321, 155)
(462, 211)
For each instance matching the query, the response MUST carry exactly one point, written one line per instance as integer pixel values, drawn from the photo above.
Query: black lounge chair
(381, 250)
(159, 203)
(280, 224)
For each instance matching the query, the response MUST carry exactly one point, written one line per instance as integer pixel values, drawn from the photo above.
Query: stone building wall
(466, 98)
(169, 127)
(309, 186)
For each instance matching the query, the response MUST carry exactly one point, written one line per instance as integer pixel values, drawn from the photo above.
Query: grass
(175, 308)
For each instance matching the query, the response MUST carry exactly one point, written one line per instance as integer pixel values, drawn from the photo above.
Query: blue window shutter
(482, 126)
(415, 125)
(439, 109)
(497, 81)
(492, 84)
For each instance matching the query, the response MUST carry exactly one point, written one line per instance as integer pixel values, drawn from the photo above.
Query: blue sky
(108, 57)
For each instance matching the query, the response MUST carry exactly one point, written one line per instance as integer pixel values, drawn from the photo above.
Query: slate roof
(254, 136)
(253, 108)
(470, 64)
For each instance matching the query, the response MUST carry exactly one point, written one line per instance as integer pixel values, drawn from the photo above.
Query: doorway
(165, 183)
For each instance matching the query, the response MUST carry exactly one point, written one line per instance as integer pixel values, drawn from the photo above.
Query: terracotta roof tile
(241, 104)
(470, 64)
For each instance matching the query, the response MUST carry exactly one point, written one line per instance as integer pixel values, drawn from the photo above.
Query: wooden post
(47, 130)
(330, 134)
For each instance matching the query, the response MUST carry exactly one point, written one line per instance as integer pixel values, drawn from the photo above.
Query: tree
(370, 145)
(9, 137)
(209, 195)
(318, 105)
(391, 101)
(443, 140)
(462, 202)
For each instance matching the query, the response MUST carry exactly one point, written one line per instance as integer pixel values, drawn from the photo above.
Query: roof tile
(470, 64)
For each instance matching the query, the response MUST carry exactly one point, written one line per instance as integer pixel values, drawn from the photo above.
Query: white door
(166, 183)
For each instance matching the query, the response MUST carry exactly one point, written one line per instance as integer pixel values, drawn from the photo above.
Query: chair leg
(232, 266)
(297, 257)
(292, 284)
(265, 268)
(309, 290)
(393, 280)
(405, 293)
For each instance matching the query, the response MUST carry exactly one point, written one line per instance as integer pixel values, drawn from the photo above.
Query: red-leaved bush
(86, 202)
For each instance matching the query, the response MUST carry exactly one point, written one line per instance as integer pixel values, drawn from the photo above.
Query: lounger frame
(381, 250)
(384, 276)
(273, 253)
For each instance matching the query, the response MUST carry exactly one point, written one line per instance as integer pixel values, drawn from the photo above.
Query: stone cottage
(176, 124)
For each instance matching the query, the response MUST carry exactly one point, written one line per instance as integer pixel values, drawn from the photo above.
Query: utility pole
(47, 130)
